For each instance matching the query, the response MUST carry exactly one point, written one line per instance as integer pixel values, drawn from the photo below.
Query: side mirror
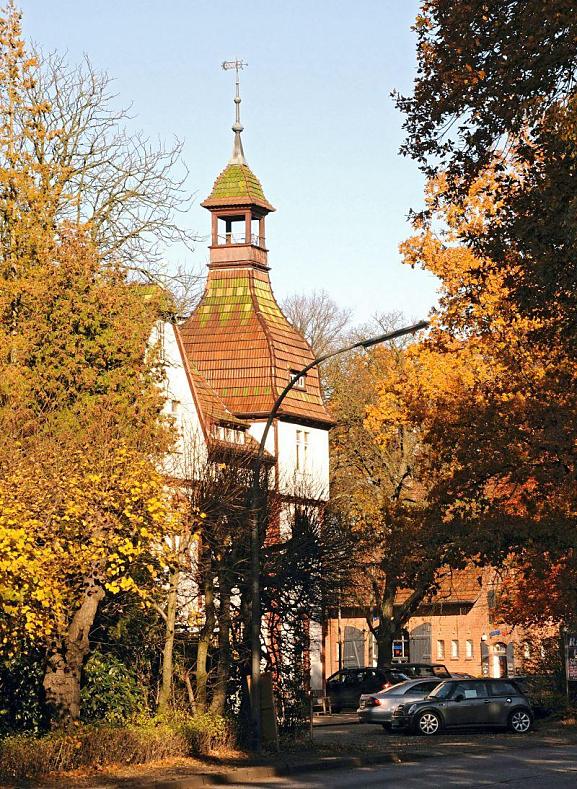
(459, 697)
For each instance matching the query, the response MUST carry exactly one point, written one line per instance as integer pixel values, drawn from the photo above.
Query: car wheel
(520, 721)
(428, 723)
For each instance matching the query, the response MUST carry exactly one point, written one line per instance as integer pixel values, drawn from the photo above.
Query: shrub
(21, 707)
(206, 732)
(110, 693)
(93, 746)
(88, 746)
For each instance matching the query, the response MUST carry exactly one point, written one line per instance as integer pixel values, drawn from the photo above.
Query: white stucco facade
(302, 454)
(180, 406)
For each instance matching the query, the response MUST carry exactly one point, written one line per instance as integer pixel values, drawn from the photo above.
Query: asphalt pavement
(533, 767)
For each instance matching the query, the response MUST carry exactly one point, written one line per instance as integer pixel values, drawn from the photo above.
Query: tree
(380, 479)
(83, 507)
(540, 591)
(318, 318)
(499, 403)
(122, 188)
(495, 88)
(209, 559)
(492, 123)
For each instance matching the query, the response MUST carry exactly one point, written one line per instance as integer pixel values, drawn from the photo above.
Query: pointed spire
(237, 150)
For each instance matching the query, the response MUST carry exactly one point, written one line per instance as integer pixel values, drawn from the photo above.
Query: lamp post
(255, 512)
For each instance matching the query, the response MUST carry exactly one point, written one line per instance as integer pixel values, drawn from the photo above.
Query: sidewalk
(351, 746)
(335, 720)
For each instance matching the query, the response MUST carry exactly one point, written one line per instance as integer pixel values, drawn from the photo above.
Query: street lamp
(255, 511)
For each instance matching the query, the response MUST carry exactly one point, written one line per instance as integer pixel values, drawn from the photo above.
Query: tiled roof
(243, 345)
(455, 586)
(212, 411)
(237, 185)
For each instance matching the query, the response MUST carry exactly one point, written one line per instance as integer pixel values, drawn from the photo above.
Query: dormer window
(228, 434)
(299, 380)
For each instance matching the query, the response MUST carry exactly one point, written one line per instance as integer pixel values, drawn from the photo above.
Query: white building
(228, 362)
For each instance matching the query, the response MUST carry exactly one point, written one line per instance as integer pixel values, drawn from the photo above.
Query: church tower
(238, 337)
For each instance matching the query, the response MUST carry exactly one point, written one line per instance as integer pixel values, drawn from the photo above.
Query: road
(534, 767)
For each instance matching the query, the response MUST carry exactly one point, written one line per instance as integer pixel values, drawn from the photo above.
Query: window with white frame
(454, 649)
(469, 649)
(440, 649)
(302, 447)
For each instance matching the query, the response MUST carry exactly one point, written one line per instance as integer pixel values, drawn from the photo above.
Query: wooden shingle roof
(243, 345)
(237, 185)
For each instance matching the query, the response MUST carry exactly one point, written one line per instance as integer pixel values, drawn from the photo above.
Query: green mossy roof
(237, 185)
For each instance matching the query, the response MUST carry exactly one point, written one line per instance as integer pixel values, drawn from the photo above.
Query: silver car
(378, 707)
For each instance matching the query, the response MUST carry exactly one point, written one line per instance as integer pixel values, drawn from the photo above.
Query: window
(440, 649)
(302, 438)
(469, 649)
(454, 649)
(502, 689)
(401, 648)
(471, 690)
(526, 650)
(298, 379)
(443, 690)
(422, 687)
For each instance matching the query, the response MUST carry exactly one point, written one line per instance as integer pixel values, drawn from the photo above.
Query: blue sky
(321, 132)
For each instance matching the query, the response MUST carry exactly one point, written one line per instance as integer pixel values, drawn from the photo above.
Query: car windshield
(442, 691)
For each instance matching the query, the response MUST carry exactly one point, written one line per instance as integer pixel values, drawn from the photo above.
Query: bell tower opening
(238, 228)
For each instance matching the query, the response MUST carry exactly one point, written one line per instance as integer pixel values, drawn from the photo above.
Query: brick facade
(463, 634)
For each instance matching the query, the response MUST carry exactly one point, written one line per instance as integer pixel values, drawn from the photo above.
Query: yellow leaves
(63, 517)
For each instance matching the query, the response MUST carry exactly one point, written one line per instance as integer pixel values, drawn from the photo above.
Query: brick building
(458, 626)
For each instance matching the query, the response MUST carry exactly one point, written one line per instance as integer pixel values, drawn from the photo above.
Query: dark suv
(345, 687)
(460, 703)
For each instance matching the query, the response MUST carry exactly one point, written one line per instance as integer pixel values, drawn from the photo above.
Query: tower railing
(230, 239)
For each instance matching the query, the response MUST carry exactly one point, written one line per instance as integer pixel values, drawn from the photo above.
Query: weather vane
(237, 151)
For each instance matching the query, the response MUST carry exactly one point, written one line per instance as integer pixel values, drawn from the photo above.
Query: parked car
(417, 670)
(345, 687)
(458, 703)
(379, 707)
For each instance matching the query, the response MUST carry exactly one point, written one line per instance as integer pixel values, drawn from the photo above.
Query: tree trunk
(223, 667)
(168, 650)
(63, 673)
(204, 642)
(190, 691)
(386, 630)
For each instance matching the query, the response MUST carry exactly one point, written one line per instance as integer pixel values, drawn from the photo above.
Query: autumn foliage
(83, 509)
(492, 123)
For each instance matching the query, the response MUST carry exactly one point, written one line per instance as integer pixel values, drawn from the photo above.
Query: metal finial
(237, 151)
